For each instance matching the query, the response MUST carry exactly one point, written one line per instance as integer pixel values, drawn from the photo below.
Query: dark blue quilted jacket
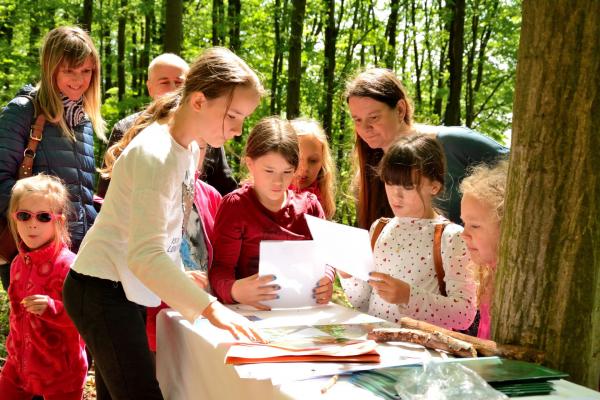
(58, 155)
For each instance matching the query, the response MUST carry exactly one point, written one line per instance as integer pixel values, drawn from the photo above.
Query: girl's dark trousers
(115, 333)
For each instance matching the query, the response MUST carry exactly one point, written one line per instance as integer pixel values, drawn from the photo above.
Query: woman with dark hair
(382, 113)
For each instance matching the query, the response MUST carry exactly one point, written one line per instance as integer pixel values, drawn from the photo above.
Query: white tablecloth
(190, 361)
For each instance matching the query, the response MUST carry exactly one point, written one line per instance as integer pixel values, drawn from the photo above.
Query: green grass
(3, 322)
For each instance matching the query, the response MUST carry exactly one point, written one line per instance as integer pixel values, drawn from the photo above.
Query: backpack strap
(437, 256)
(35, 137)
(381, 223)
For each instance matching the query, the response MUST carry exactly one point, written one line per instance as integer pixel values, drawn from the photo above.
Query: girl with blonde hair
(482, 210)
(316, 170)
(46, 355)
(131, 255)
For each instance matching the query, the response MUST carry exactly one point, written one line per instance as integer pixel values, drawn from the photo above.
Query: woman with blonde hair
(316, 170)
(68, 96)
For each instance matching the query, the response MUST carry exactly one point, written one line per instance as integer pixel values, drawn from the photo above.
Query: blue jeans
(114, 331)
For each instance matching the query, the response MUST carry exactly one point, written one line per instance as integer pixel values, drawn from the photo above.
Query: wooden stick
(484, 347)
(431, 340)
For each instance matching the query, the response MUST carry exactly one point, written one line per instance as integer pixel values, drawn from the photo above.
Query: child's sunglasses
(42, 216)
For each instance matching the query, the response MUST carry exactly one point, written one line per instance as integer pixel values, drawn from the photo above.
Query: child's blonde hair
(73, 46)
(57, 195)
(217, 72)
(487, 183)
(326, 177)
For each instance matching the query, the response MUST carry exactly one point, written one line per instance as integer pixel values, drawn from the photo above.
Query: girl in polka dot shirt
(405, 282)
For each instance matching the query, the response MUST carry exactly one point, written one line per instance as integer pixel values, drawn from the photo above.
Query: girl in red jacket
(264, 209)
(46, 355)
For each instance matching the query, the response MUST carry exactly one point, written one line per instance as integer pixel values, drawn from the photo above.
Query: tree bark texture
(173, 26)
(121, 50)
(390, 33)
(234, 10)
(86, 19)
(295, 59)
(331, 31)
(456, 46)
(548, 280)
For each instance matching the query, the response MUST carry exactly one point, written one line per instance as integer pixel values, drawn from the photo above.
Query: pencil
(329, 384)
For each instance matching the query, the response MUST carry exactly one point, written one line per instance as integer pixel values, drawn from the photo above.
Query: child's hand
(323, 291)
(199, 278)
(254, 289)
(239, 326)
(343, 274)
(36, 304)
(392, 290)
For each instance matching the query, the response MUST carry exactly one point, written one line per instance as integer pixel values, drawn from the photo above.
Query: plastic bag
(444, 381)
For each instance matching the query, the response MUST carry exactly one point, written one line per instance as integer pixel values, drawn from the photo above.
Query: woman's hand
(239, 326)
(392, 290)
(200, 278)
(36, 304)
(323, 291)
(254, 289)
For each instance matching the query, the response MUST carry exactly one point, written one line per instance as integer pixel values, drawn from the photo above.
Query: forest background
(457, 58)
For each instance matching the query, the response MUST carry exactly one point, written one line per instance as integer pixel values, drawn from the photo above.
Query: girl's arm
(457, 310)
(227, 246)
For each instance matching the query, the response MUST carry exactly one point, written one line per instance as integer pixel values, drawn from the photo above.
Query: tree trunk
(295, 59)
(390, 33)
(218, 24)
(86, 19)
(135, 68)
(121, 50)
(173, 26)
(277, 57)
(456, 8)
(106, 60)
(234, 10)
(329, 67)
(145, 57)
(437, 104)
(548, 284)
(418, 63)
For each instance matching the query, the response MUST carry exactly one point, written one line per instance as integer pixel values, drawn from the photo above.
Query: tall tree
(218, 23)
(456, 28)
(234, 11)
(277, 57)
(86, 19)
(173, 26)
(548, 284)
(148, 30)
(331, 32)
(295, 59)
(417, 61)
(121, 49)
(390, 33)
(106, 40)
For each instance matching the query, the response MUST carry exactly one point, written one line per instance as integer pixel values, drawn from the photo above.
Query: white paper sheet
(343, 247)
(297, 266)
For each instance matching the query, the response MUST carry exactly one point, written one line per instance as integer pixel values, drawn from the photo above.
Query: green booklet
(513, 378)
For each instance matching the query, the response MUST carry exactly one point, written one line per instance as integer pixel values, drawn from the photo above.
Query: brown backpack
(437, 249)
(8, 247)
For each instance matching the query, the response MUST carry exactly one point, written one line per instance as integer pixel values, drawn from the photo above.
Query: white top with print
(136, 237)
(404, 250)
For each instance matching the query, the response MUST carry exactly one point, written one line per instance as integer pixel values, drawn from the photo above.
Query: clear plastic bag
(444, 381)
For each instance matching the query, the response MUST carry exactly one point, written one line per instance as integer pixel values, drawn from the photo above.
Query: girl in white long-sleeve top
(406, 282)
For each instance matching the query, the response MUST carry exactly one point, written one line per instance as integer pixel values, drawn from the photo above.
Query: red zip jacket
(44, 351)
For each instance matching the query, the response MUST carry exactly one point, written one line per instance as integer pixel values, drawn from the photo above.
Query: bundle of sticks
(455, 343)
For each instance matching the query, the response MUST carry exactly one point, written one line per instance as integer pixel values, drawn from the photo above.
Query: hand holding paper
(344, 247)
